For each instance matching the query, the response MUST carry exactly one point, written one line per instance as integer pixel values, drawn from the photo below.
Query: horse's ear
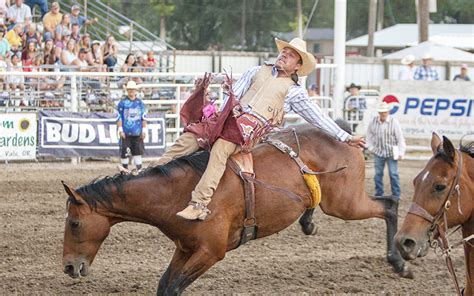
(72, 193)
(435, 142)
(448, 148)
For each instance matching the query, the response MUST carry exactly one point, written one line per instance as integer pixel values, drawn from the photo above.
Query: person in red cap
(463, 75)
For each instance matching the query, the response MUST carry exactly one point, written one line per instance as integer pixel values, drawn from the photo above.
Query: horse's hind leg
(197, 264)
(390, 205)
(307, 224)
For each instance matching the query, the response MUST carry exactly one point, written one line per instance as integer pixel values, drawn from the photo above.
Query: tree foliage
(216, 24)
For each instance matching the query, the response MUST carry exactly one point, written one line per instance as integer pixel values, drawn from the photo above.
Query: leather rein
(442, 242)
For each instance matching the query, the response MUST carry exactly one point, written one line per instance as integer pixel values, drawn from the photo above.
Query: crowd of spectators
(58, 42)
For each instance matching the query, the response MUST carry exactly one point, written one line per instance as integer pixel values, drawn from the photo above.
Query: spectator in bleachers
(463, 75)
(3, 13)
(66, 36)
(151, 62)
(28, 54)
(85, 41)
(407, 72)
(31, 33)
(82, 60)
(16, 81)
(43, 4)
(63, 27)
(4, 45)
(68, 56)
(18, 13)
(426, 71)
(14, 37)
(51, 20)
(96, 57)
(129, 63)
(49, 54)
(76, 18)
(75, 33)
(109, 51)
(3, 79)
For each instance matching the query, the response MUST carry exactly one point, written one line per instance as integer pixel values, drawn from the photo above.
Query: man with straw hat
(131, 126)
(385, 140)
(263, 94)
(426, 70)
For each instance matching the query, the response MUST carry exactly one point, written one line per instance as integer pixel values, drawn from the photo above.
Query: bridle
(437, 235)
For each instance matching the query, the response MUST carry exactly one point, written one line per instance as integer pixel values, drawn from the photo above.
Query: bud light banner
(423, 107)
(66, 134)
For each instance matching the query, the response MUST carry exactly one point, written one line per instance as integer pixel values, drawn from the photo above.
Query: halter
(435, 229)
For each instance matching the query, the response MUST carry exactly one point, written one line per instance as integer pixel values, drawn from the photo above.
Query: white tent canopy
(438, 52)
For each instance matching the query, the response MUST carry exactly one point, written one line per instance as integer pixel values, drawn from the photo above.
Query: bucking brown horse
(157, 194)
(443, 198)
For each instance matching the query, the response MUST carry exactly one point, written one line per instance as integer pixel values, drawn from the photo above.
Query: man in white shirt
(385, 140)
(408, 70)
(18, 13)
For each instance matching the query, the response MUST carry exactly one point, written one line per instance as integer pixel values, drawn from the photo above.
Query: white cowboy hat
(427, 56)
(131, 85)
(309, 62)
(383, 107)
(407, 60)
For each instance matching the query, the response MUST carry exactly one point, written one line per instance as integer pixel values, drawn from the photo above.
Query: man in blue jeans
(385, 140)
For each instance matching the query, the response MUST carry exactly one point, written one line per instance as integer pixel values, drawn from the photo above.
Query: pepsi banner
(67, 134)
(423, 107)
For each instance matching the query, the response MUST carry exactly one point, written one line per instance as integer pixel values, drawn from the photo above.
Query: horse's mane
(468, 148)
(99, 190)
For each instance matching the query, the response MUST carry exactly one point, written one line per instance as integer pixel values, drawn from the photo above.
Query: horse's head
(436, 194)
(84, 232)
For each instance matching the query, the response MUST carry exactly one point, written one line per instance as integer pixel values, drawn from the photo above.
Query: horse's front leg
(198, 264)
(174, 268)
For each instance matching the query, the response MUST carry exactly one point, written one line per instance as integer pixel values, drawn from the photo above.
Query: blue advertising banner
(66, 134)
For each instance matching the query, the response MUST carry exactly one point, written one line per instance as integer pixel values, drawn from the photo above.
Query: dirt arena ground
(344, 257)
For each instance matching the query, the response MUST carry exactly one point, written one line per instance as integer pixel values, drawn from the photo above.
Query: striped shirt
(297, 100)
(382, 136)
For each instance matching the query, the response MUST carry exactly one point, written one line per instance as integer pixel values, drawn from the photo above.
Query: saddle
(242, 164)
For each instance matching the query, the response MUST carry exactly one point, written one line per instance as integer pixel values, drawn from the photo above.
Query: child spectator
(96, 57)
(151, 62)
(16, 81)
(66, 36)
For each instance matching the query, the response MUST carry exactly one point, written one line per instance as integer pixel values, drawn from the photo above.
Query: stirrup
(200, 206)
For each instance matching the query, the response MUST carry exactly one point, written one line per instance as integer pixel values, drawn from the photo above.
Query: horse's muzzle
(76, 270)
(411, 248)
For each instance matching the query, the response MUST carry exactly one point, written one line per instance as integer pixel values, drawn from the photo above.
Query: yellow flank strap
(313, 184)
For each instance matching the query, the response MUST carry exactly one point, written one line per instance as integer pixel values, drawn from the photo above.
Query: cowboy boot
(194, 211)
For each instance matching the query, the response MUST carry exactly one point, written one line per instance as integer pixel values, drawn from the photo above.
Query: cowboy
(407, 72)
(131, 125)
(265, 93)
(385, 140)
(426, 71)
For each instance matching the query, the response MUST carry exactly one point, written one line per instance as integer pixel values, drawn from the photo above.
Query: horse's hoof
(407, 273)
(310, 229)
